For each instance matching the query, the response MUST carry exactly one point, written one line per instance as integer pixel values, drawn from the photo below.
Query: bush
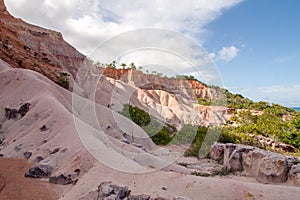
(64, 80)
(163, 137)
(137, 115)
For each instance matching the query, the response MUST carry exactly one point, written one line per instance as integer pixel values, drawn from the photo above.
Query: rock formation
(267, 167)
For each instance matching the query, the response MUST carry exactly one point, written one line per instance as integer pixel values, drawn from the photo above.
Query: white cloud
(225, 54)
(86, 23)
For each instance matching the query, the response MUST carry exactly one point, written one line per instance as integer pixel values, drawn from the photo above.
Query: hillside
(23, 45)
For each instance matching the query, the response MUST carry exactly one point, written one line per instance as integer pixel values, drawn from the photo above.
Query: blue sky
(268, 36)
(255, 43)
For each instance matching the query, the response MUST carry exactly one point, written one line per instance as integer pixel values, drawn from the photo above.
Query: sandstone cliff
(192, 89)
(31, 47)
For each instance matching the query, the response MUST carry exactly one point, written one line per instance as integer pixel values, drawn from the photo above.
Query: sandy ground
(14, 186)
(170, 184)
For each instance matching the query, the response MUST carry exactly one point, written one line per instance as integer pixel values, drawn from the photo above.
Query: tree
(132, 66)
(123, 65)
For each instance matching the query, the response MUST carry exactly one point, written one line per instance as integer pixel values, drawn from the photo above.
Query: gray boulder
(252, 161)
(39, 171)
(109, 191)
(273, 169)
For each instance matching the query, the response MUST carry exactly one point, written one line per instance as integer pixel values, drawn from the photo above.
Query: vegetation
(276, 122)
(64, 79)
(137, 115)
(161, 134)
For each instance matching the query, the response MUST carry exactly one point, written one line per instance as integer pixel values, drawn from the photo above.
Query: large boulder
(109, 191)
(273, 169)
(39, 171)
(233, 156)
(252, 161)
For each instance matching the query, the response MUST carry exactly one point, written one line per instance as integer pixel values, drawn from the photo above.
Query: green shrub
(137, 115)
(64, 80)
(163, 137)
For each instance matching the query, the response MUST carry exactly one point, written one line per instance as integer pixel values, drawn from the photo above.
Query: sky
(254, 44)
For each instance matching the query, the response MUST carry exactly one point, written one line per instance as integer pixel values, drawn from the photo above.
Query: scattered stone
(1, 155)
(125, 141)
(77, 171)
(38, 159)
(62, 180)
(64, 150)
(55, 151)
(27, 155)
(139, 197)
(13, 113)
(24, 109)
(44, 128)
(164, 188)
(18, 148)
(137, 145)
(107, 190)
(39, 171)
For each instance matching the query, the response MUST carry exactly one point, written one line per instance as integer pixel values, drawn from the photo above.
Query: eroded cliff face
(31, 47)
(190, 89)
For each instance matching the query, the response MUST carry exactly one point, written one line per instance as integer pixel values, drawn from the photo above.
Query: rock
(139, 197)
(107, 191)
(77, 171)
(39, 171)
(27, 155)
(24, 109)
(55, 151)
(38, 159)
(14, 113)
(252, 161)
(44, 128)
(291, 160)
(62, 180)
(275, 145)
(233, 157)
(1, 155)
(217, 152)
(11, 113)
(273, 169)
(294, 175)
(1, 140)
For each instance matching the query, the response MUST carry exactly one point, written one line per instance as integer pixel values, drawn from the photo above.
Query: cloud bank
(86, 23)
